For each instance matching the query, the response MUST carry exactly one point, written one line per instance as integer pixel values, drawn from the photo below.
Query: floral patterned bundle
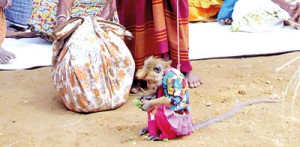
(92, 67)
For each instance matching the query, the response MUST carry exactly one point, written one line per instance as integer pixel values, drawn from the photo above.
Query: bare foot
(226, 21)
(6, 56)
(193, 81)
(13, 34)
(135, 87)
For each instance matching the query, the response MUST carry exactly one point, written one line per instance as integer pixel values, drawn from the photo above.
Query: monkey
(168, 105)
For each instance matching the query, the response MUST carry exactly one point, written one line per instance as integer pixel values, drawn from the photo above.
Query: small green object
(138, 103)
(166, 140)
(130, 138)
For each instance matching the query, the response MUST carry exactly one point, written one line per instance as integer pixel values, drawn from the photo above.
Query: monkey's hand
(146, 105)
(147, 96)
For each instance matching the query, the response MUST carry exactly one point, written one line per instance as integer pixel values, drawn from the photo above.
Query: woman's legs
(225, 13)
(5, 56)
(154, 37)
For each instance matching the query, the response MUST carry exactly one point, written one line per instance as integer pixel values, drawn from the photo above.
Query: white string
(286, 64)
(178, 43)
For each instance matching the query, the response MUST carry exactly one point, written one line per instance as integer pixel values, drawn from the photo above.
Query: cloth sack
(92, 67)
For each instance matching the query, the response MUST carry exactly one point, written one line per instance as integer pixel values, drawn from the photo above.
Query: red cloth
(162, 127)
(153, 24)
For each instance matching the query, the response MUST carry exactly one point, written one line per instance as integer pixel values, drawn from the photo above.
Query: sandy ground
(32, 113)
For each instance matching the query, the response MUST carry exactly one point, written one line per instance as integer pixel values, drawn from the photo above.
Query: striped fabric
(153, 23)
(19, 12)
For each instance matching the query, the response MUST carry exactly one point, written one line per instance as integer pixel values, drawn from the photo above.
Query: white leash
(178, 43)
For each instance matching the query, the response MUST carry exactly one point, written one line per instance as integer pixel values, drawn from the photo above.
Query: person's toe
(198, 83)
(228, 21)
(222, 21)
(135, 87)
(191, 85)
(195, 84)
(4, 59)
(134, 90)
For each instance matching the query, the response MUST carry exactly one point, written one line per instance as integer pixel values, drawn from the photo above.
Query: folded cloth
(226, 9)
(19, 12)
(204, 10)
(258, 16)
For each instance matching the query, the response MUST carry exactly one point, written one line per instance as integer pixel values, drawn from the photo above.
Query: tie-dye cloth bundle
(92, 69)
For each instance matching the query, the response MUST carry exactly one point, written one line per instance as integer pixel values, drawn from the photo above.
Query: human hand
(295, 12)
(5, 3)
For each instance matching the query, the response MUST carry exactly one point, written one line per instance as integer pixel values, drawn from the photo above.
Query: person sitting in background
(225, 14)
(264, 15)
(5, 56)
(258, 13)
(48, 14)
(18, 14)
(17, 17)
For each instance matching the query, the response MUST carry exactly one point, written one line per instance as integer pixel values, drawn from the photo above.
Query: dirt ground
(32, 113)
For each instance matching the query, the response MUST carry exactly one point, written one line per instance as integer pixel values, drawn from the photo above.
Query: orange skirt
(2, 26)
(204, 10)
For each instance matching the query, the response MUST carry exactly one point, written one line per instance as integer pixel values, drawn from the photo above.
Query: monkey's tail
(231, 112)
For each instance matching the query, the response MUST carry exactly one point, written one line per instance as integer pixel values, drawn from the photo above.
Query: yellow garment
(204, 10)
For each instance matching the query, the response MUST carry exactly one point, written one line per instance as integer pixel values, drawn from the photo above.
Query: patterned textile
(257, 16)
(93, 69)
(153, 24)
(175, 88)
(43, 19)
(2, 26)
(204, 10)
(20, 12)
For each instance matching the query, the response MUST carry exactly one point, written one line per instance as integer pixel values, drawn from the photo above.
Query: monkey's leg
(144, 131)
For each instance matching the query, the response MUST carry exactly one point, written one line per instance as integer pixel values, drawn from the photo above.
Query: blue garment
(175, 89)
(19, 12)
(226, 9)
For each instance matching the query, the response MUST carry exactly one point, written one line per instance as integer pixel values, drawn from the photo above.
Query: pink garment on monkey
(173, 121)
(168, 124)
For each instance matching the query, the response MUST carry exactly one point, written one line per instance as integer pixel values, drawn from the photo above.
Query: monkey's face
(154, 80)
(152, 72)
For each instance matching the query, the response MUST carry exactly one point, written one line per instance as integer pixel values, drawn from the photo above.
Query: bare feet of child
(6, 56)
(193, 80)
